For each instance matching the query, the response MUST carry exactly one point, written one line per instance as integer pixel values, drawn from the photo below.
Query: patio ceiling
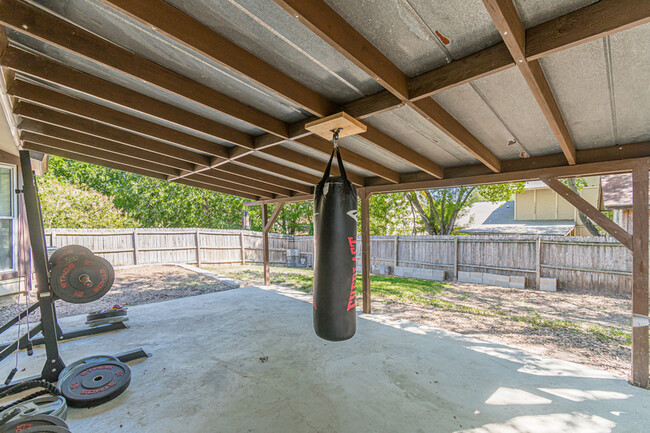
(215, 94)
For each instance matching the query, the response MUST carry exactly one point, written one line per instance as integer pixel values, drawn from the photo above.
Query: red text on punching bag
(353, 289)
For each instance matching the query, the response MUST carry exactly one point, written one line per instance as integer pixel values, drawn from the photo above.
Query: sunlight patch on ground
(506, 396)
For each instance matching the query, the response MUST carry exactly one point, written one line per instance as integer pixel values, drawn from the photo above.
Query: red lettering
(353, 291)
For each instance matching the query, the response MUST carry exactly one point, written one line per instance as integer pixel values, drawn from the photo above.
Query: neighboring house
(538, 210)
(617, 197)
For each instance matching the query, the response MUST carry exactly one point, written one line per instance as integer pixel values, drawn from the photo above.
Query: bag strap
(326, 174)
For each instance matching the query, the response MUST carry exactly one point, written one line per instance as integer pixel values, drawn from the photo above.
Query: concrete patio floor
(206, 375)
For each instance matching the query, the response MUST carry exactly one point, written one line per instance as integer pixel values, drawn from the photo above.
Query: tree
(154, 202)
(439, 209)
(580, 183)
(69, 206)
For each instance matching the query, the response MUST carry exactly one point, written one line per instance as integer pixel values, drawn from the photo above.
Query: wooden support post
(456, 258)
(265, 245)
(640, 275)
(243, 247)
(593, 213)
(197, 237)
(365, 249)
(268, 223)
(538, 262)
(135, 247)
(396, 252)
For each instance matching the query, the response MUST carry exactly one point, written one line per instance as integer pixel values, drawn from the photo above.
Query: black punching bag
(335, 238)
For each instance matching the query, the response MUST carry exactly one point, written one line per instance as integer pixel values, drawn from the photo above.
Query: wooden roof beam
(31, 129)
(207, 175)
(323, 146)
(48, 28)
(191, 33)
(505, 17)
(62, 75)
(263, 177)
(51, 98)
(127, 168)
(272, 167)
(29, 111)
(331, 27)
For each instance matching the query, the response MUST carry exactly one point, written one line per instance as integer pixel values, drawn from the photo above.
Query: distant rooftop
(617, 191)
(499, 218)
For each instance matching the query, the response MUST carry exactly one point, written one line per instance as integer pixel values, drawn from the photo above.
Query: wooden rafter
(595, 21)
(52, 99)
(505, 17)
(61, 75)
(323, 146)
(208, 175)
(588, 209)
(198, 37)
(31, 128)
(265, 178)
(331, 27)
(258, 163)
(33, 115)
(308, 162)
(46, 27)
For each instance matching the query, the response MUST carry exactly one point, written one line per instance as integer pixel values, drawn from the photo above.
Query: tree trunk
(591, 227)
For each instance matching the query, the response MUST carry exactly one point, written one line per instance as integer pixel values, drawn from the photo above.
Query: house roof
(499, 218)
(216, 94)
(617, 191)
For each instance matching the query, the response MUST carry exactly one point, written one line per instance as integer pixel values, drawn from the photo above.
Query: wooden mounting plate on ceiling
(348, 124)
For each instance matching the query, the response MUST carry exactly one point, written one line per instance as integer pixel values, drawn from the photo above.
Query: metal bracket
(640, 321)
(335, 137)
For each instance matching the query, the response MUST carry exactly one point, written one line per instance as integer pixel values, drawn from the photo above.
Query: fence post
(538, 258)
(243, 247)
(135, 247)
(396, 249)
(52, 237)
(197, 236)
(456, 257)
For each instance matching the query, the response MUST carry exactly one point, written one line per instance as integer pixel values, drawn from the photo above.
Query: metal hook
(335, 137)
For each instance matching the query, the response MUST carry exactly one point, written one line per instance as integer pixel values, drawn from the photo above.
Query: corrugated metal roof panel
(134, 84)
(511, 98)
(407, 126)
(631, 72)
(533, 12)
(578, 78)
(269, 32)
(130, 34)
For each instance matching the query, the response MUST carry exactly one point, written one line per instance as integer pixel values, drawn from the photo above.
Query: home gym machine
(48, 325)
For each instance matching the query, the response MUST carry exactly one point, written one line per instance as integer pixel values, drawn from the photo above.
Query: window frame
(13, 218)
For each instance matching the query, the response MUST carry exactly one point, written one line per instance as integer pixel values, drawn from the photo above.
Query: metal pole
(54, 364)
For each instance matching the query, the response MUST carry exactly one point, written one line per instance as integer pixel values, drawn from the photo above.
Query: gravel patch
(135, 286)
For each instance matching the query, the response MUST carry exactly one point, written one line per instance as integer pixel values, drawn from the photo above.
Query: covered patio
(217, 95)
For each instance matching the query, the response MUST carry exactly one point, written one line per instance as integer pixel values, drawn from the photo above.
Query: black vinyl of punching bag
(335, 238)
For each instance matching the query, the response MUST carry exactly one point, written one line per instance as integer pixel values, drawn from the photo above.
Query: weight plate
(96, 383)
(68, 253)
(98, 322)
(45, 405)
(106, 314)
(82, 280)
(46, 429)
(81, 363)
(33, 422)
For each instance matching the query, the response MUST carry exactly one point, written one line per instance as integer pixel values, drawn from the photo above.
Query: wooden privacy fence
(597, 264)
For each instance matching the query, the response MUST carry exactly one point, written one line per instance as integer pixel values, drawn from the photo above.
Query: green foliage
(154, 202)
(69, 206)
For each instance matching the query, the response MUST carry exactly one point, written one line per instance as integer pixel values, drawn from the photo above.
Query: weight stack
(335, 237)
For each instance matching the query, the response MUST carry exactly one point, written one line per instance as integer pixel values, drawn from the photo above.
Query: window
(7, 218)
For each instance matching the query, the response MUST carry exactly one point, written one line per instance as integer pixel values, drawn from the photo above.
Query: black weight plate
(68, 253)
(22, 425)
(81, 363)
(96, 383)
(82, 280)
(106, 314)
(46, 429)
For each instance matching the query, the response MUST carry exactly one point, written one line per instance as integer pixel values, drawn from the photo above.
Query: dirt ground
(135, 286)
